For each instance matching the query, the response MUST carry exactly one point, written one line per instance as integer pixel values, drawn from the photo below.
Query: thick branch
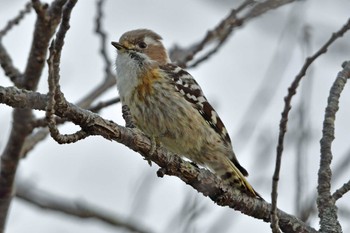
(45, 26)
(201, 179)
(325, 202)
(47, 21)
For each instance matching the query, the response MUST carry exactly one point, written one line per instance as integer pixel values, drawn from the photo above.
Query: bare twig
(220, 33)
(325, 202)
(6, 63)
(85, 103)
(182, 56)
(76, 208)
(104, 104)
(55, 93)
(341, 191)
(5, 60)
(263, 7)
(32, 140)
(16, 20)
(201, 179)
(287, 106)
(103, 37)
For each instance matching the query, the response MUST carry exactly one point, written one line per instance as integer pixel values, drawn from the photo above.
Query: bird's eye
(142, 45)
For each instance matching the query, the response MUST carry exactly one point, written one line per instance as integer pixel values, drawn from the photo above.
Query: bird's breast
(146, 84)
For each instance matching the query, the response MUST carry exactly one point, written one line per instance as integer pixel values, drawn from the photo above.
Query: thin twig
(7, 65)
(220, 34)
(287, 106)
(16, 20)
(325, 202)
(103, 104)
(76, 208)
(264, 6)
(5, 60)
(55, 93)
(341, 191)
(103, 37)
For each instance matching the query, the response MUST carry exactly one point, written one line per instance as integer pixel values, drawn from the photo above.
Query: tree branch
(47, 21)
(264, 6)
(6, 63)
(220, 34)
(287, 106)
(55, 93)
(76, 208)
(341, 191)
(16, 20)
(103, 37)
(5, 60)
(85, 103)
(325, 202)
(200, 179)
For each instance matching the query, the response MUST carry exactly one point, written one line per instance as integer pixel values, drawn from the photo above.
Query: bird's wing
(186, 85)
(192, 92)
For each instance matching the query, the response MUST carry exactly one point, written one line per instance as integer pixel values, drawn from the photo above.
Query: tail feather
(233, 176)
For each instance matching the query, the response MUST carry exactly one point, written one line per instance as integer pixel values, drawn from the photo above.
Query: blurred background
(245, 81)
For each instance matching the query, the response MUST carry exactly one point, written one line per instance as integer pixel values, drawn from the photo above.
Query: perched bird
(167, 104)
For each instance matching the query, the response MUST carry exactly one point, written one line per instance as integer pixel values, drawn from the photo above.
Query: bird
(168, 105)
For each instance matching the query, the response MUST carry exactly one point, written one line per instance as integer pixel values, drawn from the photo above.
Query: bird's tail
(231, 175)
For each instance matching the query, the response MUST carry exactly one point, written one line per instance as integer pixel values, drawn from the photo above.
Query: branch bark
(48, 17)
(325, 201)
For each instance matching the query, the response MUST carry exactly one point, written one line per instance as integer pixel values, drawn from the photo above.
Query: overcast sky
(110, 175)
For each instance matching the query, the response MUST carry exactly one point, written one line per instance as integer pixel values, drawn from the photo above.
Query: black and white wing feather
(189, 88)
(191, 91)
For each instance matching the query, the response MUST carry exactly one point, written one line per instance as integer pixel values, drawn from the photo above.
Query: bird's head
(142, 45)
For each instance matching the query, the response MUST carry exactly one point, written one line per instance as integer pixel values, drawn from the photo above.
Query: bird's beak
(118, 45)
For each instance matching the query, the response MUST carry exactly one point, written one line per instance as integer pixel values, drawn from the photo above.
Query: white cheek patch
(150, 41)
